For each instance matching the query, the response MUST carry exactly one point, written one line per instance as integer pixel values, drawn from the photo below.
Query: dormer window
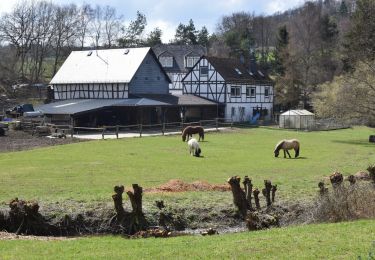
(166, 61)
(238, 71)
(190, 61)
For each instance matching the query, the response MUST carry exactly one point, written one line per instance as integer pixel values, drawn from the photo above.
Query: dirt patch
(13, 236)
(19, 141)
(181, 186)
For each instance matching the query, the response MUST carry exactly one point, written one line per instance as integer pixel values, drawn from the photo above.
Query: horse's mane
(279, 145)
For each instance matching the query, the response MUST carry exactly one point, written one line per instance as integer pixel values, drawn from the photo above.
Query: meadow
(84, 173)
(87, 171)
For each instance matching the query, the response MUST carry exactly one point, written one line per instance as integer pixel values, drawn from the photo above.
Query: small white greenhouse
(297, 119)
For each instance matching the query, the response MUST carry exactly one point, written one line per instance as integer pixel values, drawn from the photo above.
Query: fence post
(117, 129)
(71, 131)
(140, 130)
(217, 124)
(163, 128)
(231, 124)
(103, 132)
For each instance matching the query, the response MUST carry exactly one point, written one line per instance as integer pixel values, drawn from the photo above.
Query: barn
(119, 87)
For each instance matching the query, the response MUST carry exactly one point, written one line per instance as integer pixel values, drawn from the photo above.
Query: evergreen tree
(203, 36)
(281, 51)
(343, 8)
(154, 37)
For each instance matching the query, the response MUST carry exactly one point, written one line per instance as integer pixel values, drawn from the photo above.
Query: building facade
(177, 60)
(118, 87)
(247, 95)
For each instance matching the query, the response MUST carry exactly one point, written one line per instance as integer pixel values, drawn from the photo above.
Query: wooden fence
(141, 129)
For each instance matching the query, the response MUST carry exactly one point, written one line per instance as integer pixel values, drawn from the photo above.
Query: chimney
(253, 63)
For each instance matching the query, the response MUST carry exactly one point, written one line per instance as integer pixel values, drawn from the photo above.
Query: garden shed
(297, 119)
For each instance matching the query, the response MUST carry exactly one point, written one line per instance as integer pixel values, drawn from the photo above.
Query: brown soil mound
(181, 186)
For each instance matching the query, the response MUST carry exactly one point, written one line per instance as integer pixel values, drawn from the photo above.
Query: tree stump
(248, 186)
(274, 189)
(371, 139)
(25, 218)
(351, 179)
(239, 196)
(267, 191)
(256, 198)
(336, 179)
(138, 218)
(117, 199)
(371, 171)
(322, 189)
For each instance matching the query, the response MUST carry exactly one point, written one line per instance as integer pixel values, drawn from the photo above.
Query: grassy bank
(325, 241)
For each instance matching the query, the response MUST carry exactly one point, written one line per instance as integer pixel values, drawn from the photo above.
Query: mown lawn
(325, 241)
(87, 171)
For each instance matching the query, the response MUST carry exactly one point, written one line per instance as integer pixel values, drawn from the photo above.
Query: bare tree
(112, 24)
(17, 28)
(85, 16)
(97, 25)
(44, 32)
(66, 24)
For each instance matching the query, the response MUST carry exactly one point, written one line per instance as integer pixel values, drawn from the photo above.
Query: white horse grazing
(194, 148)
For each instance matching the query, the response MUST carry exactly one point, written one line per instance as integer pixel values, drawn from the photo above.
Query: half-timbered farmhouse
(119, 86)
(177, 60)
(247, 94)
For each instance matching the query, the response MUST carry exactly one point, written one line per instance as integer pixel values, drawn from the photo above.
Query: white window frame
(190, 61)
(237, 92)
(166, 61)
(248, 92)
(200, 71)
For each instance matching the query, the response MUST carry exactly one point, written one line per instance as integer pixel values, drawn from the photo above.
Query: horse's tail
(297, 150)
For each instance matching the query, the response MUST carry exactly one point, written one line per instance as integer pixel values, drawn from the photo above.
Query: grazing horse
(287, 145)
(190, 130)
(194, 148)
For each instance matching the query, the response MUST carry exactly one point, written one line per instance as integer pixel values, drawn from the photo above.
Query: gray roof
(228, 68)
(180, 100)
(179, 53)
(77, 106)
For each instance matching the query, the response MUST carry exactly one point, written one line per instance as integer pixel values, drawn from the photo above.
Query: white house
(246, 95)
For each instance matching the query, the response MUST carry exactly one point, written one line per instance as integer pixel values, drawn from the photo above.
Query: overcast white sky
(167, 14)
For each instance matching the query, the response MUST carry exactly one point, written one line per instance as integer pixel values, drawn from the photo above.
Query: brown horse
(287, 145)
(190, 130)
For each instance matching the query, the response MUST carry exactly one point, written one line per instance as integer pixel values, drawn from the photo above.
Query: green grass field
(325, 241)
(87, 171)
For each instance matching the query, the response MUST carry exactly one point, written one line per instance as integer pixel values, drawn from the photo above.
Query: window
(235, 91)
(191, 61)
(166, 61)
(266, 92)
(204, 71)
(250, 92)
